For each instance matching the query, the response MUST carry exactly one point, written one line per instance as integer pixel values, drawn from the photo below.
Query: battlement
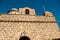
(26, 14)
(26, 11)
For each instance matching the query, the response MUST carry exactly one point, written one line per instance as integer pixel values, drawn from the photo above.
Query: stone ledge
(29, 21)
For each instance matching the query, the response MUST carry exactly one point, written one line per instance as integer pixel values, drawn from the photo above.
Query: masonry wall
(17, 17)
(35, 27)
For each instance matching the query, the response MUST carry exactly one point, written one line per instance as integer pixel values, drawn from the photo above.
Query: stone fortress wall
(16, 24)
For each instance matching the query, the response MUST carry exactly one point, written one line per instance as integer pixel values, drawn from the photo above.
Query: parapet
(13, 11)
(47, 13)
(26, 10)
(26, 14)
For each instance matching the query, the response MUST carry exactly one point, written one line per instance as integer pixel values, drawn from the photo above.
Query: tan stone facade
(17, 24)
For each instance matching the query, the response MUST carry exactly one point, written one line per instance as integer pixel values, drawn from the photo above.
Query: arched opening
(24, 38)
(27, 11)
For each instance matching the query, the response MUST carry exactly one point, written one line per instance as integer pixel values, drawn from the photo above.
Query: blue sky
(50, 5)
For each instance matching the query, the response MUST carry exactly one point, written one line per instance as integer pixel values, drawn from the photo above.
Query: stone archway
(24, 38)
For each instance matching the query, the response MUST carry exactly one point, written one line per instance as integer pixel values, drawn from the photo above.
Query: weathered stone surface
(12, 27)
(16, 17)
(13, 30)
